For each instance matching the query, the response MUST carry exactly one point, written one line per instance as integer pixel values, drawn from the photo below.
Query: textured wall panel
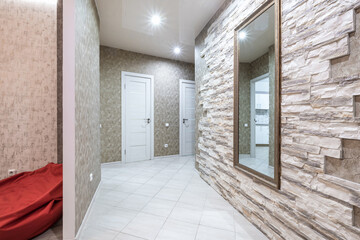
(87, 109)
(317, 113)
(167, 74)
(28, 85)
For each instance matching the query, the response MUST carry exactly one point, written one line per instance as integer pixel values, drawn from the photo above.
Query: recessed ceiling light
(242, 35)
(156, 20)
(177, 50)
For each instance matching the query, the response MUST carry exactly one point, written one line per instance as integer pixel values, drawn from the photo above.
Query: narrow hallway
(162, 199)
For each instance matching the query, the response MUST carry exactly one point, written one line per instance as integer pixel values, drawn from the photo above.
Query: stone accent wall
(28, 85)
(347, 167)
(87, 106)
(167, 74)
(316, 115)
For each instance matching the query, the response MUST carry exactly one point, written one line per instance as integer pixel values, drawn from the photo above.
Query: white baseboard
(87, 212)
(169, 156)
(112, 163)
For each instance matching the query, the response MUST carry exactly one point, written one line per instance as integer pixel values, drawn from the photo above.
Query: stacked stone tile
(320, 76)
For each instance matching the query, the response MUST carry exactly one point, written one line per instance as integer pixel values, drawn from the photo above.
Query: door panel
(137, 111)
(187, 108)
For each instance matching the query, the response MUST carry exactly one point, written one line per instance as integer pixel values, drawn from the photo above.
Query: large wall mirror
(257, 68)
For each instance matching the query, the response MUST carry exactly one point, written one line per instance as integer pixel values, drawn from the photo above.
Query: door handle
(184, 120)
(148, 120)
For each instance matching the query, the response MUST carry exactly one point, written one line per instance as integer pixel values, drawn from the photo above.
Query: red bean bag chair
(30, 202)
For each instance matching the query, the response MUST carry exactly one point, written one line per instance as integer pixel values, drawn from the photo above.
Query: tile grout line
(174, 206)
(148, 202)
(178, 167)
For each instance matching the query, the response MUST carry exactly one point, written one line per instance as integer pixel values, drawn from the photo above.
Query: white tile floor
(260, 163)
(163, 199)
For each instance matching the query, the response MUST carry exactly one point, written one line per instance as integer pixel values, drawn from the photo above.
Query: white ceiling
(260, 36)
(125, 24)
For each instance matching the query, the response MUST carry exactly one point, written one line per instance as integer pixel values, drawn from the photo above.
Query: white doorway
(260, 103)
(137, 117)
(187, 117)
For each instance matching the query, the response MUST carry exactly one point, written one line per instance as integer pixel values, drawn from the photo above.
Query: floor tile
(128, 187)
(111, 197)
(148, 190)
(193, 198)
(175, 230)
(123, 236)
(178, 184)
(163, 199)
(206, 233)
(96, 233)
(221, 204)
(115, 219)
(139, 179)
(189, 215)
(146, 226)
(171, 194)
(159, 207)
(135, 202)
(217, 218)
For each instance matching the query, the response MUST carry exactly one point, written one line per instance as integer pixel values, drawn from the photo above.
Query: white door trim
(181, 114)
(252, 113)
(123, 104)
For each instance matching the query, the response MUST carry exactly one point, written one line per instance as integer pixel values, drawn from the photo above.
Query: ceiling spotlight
(177, 50)
(242, 35)
(156, 20)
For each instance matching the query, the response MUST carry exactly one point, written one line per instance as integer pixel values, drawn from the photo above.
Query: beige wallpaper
(87, 109)
(166, 77)
(316, 117)
(60, 80)
(244, 108)
(28, 85)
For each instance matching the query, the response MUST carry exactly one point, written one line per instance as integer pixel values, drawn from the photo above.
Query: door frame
(181, 151)
(123, 110)
(252, 113)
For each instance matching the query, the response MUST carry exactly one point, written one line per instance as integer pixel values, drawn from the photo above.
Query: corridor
(163, 199)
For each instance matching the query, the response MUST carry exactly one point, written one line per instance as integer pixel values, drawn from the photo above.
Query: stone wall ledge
(344, 190)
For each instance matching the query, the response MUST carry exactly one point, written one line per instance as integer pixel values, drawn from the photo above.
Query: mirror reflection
(257, 93)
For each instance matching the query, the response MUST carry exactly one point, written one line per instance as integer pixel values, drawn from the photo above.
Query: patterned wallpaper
(87, 100)
(247, 72)
(59, 81)
(244, 108)
(166, 77)
(28, 85)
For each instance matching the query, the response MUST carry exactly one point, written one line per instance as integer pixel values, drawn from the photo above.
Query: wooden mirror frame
(257, 176)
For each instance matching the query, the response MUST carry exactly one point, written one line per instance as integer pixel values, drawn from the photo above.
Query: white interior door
(259, 100)
(187, 117)
(138, 117)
